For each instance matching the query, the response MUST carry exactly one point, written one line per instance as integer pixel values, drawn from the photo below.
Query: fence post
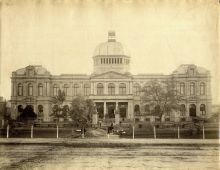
(178, 131)
(203, 132)
(7, 131)
(155, 135)
(32, 131)
(3, 123)
(57, 132)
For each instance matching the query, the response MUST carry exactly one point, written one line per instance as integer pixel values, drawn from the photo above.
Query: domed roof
(184, 68)
(111, 47)
(37, 69)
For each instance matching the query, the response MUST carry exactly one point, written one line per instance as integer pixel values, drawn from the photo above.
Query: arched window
(66, 89)
(182, 88)
(20, 89)
(192, 110)
(75, 90)
(136, 89)
(20, 108)
(202, 109)
(122, 88)
(86, 89)
(192, 88)
(111, 89)
(202, 88)
(100, 89)
(30, 89)
(40, 89)
(40, 108)
(137, 109)
(55, 89)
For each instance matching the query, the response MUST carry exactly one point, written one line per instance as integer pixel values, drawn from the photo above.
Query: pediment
(111, 75)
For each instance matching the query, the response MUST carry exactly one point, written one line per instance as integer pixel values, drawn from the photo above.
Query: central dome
(111, 56)
(111, 47)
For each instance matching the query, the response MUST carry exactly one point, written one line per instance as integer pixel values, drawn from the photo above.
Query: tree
(27, 114)
(59, 110)
(81, 111)
(162, 96)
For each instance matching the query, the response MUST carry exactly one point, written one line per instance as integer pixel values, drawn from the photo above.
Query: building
(2, 108)
(110, 86)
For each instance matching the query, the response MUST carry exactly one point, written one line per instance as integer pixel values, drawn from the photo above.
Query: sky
(62, 35)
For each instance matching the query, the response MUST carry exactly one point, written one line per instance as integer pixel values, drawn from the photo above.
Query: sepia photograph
(109, 84)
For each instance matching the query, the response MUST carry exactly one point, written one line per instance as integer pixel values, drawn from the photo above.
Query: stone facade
(111, 86)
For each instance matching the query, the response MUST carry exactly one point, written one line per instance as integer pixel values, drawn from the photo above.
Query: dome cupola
(111, 56)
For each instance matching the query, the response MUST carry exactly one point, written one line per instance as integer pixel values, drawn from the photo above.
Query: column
(35, 89)
(47, 89)
(198, 113)
(117, 115)
(92, 88)
(116, 88)
(130, 114)
(187, 111)
(127, 88)
(25, 89)
(105, 88)
(116, 105)
(35, 107)
(82, 88)
(15, 88)
(131, 87)
(104, 109)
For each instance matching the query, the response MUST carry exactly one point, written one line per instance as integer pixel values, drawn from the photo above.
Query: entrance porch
(108, 110)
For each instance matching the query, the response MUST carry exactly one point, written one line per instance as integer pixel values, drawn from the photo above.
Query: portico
(108, 108)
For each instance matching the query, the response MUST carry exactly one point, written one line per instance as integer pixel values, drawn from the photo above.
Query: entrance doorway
(111, 110)
(100, 109)
(192, 110)
(123, 107)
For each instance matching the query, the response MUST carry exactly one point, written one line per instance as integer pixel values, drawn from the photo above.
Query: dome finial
(111, 36)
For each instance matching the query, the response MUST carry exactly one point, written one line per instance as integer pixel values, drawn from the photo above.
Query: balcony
(111, 97)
